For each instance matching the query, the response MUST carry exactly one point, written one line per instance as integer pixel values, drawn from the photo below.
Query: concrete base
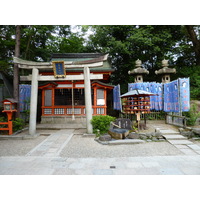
(54, 126)
(62, 119)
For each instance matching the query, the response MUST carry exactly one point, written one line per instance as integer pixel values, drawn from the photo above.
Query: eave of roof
(83, 58)
(137, 92)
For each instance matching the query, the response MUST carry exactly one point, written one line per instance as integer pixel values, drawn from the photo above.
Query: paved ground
(67, 151)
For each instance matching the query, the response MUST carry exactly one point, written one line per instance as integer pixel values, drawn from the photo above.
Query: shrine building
(63, 100)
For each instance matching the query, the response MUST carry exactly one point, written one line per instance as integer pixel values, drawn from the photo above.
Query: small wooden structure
(136, 102)
(9, 107)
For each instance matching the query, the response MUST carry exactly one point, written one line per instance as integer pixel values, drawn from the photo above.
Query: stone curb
(18, 137)
(116, 142)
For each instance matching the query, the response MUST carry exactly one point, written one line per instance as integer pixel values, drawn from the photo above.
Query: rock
(154, 139)
(197, 122)
(181, 130)
(105, 138)
(157, 130)
(133, 135)
(157, 134)
(153, 134)
(196, 131)
(142, 136)
(188, 134)
(150, 135)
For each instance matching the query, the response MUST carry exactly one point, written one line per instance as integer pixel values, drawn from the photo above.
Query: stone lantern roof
(165, 69)
(138, 69)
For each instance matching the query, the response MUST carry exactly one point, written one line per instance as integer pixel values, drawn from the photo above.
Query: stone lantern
(138, 72)
(9, 106)
(165, 71)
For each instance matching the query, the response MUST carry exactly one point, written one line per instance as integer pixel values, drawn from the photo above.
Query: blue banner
(116, 98)
(177, 95)
(184, 84)
(156, 102)
(171, 97)
(24, 97)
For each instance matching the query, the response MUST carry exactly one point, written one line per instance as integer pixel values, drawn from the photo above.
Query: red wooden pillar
(105, 98)
(95, 100)
(10, 123)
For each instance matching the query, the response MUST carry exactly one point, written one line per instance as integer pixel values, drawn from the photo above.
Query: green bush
(101, 123)
(18, 124)
(192, 115)
(3, 119)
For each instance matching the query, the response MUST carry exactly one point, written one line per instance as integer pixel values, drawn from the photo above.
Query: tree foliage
(37, 43)
(124, 43)
(151, 44)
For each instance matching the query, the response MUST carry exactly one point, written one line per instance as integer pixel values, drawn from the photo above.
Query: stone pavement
(180, 142)
(45, 159)
(155, 165)
(54, 144)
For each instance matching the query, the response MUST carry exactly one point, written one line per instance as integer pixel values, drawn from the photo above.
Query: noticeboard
(59, 69)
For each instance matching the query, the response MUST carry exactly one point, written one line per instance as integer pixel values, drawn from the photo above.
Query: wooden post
(10, 123)
(73, 117)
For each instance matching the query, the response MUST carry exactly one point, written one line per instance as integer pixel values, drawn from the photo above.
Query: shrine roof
(11, 100)
(84, 58)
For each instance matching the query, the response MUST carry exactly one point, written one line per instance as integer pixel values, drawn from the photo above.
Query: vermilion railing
(68, 110)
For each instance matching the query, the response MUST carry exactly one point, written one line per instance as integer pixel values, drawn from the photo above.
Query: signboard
(59, 69)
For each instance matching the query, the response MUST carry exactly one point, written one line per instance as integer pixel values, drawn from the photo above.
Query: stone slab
(197, 151)
(133, 164)
(131, 141)
(174, 142)
(174, 137)
(188, 151)
(171, 171)
(181, 146)
(168, 131)
(194, 147)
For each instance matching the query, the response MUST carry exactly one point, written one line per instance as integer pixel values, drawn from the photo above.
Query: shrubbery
(192, 115)
(101, 123)
(18, 124)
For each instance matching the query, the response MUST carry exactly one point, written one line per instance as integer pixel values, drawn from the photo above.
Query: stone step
(168, 131)
(174, 137)
(176, 142)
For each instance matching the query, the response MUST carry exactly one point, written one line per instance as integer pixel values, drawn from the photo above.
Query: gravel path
(20, 147)
(80, 146)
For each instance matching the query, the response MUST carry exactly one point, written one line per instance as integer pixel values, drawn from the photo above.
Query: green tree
(194, 36)
(7, 45)
(128, 43)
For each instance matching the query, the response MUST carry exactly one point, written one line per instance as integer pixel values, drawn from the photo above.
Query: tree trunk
(16, 70)
(195, 42)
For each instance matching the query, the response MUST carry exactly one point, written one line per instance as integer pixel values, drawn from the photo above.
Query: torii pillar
(33, 102)
(88, 100)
